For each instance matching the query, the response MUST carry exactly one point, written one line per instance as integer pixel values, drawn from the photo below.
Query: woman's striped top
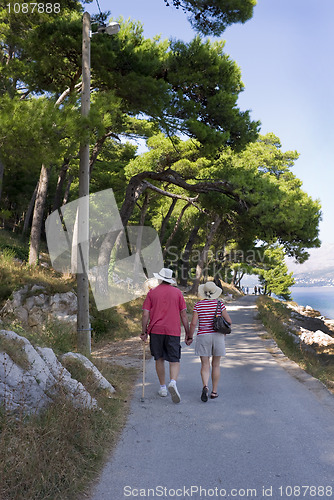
(206, 311)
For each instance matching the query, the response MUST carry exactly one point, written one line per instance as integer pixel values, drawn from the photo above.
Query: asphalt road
(270, 434)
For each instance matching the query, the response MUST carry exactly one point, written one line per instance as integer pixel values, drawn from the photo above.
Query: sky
(285, 53)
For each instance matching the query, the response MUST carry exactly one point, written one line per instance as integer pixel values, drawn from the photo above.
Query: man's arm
(185, 322)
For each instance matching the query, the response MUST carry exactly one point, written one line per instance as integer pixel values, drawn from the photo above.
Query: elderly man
(162, 309)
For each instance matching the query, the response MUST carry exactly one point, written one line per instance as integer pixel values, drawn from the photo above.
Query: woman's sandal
(214, 395)
(205, 393)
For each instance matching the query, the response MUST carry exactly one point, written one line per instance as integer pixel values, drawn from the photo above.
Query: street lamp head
(111, 29)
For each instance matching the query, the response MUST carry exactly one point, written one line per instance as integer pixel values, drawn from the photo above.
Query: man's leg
(160, 369)
(174, 370)
(173, 349)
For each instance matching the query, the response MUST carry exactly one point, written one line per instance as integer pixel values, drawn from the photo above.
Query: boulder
(100, 380)
(30, 378)
(320, 338)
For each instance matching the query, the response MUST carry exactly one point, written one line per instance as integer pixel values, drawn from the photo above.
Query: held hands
(188, 340)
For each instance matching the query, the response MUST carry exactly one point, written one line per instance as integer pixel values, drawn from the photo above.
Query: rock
(19, 390)
(17, 299)
(74, 389)
(22, 314)
(101, 381)
(37, 310)
(31, 378)
(41, 300)
(35, 317)
(37, 288)
(320, 338)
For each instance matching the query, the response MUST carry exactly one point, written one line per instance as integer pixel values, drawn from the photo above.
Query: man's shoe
(176, 398)
(162, 392)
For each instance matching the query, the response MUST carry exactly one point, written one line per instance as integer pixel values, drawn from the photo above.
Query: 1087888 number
(30, 8)
(302, 491)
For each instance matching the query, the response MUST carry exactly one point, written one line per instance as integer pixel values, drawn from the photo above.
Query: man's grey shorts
(210, 344)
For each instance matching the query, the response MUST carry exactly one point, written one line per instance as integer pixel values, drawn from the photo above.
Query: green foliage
(107, 324)
(57, 335)
(211, 17)
(207, 83)
(274, 276)
(143, 86)
(20, 37)
(32, 132)
(277, 207)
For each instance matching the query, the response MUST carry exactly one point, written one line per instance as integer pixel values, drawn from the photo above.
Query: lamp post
(83, 322)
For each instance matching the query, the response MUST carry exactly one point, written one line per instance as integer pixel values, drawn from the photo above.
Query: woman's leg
(205, 369)
(215, 372)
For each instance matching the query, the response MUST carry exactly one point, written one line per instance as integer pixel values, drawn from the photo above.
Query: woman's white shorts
(210, 344)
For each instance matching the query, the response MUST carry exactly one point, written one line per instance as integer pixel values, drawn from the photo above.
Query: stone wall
(33, 307)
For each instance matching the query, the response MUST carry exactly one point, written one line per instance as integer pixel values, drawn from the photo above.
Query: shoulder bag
(220, 324)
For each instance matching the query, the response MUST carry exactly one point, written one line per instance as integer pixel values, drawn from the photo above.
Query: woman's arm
(193, 324)
(226, 316)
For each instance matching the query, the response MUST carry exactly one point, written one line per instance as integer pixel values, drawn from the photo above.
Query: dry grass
(14, 349)
(14, 275)
(56, 454)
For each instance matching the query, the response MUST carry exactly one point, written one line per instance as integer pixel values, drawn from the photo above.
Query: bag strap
(221, 310)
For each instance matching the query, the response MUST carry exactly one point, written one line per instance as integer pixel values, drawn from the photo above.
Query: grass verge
(55, 455)
(274, 315)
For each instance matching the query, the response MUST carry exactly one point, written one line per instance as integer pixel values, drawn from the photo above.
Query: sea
(320, 298)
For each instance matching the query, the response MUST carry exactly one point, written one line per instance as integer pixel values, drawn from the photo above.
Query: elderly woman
(208, 342)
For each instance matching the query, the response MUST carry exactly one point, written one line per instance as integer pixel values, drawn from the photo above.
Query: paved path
(269, 434)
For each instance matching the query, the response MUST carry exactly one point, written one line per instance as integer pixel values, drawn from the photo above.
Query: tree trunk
(137, 263)
(183, 279)
(238, 281)
(97, 148)
(60, 185)
(204, 255)
(133, 192)
(2, 169)
(37, 219)
(175, 229)
(166, 220)
(29, 213)
(67, 190)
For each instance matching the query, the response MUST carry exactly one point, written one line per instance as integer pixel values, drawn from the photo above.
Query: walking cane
(143, 388)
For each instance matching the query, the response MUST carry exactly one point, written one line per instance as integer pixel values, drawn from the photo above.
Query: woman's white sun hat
(209, 290)
(166, 275)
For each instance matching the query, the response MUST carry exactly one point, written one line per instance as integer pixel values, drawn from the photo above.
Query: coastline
(318, 298)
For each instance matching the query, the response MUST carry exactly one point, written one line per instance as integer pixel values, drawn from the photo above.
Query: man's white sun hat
(165, 274)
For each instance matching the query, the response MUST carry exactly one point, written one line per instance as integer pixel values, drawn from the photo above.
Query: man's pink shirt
(165, 302)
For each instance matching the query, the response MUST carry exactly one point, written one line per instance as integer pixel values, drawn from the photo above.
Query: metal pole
(83, 325)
